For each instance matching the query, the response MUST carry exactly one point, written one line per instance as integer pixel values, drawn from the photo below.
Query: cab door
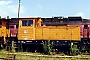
(26, 29)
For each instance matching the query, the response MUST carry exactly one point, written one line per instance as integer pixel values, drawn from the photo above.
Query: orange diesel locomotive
(31, 31)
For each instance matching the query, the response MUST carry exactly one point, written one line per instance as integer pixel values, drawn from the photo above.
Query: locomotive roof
(58, 20)
(27, 18)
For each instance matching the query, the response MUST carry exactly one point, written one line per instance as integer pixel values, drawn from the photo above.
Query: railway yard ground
(38, 56)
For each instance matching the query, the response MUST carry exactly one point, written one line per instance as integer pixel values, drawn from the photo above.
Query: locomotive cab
(26, 29)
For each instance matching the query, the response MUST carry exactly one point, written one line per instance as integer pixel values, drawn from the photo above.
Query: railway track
(12, 56)
(52, 56)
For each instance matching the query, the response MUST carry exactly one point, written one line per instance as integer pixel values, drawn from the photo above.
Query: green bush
(74, 50)
(47, 47)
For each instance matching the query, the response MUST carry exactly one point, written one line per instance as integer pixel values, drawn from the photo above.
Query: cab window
(0, 24)
(27, 22)
(30, 22)
(24, 23)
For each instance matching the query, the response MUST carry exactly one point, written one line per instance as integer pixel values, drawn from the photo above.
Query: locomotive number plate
(25, 31)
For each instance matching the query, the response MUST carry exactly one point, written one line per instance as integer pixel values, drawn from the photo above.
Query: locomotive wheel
(19, 47)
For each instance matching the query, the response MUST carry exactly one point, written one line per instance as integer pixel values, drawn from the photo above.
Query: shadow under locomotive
(37, 46)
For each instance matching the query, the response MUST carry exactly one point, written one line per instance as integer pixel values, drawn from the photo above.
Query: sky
(45, 8)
